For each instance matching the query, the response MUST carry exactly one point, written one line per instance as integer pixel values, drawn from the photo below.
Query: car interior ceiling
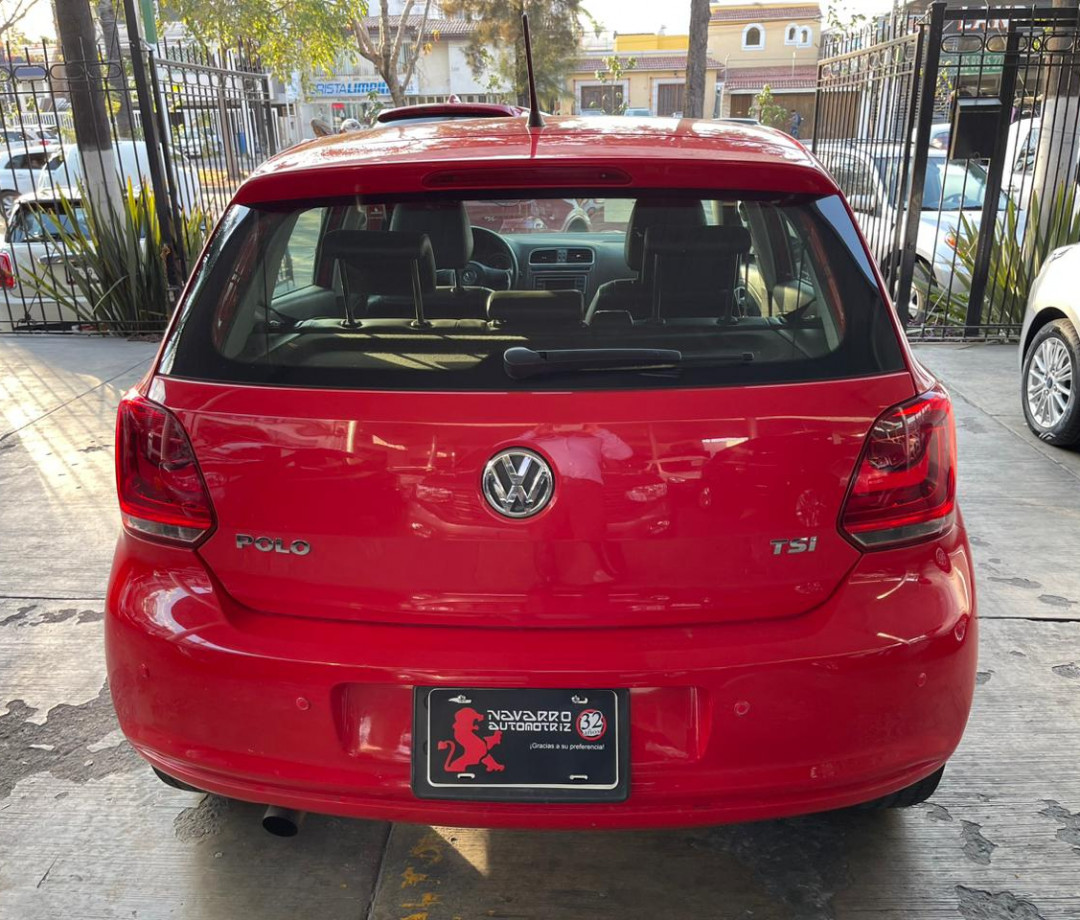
(687, 283)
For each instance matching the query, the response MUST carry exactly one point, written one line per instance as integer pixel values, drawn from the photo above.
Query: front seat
(447, 226)
(634, 295)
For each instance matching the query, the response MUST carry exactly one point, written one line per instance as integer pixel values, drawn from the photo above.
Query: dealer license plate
(515, 745)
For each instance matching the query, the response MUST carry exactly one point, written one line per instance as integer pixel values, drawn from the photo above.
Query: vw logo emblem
(518, 483)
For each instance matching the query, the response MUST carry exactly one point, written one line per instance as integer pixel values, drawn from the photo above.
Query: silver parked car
(1050, 350)
(869, 175)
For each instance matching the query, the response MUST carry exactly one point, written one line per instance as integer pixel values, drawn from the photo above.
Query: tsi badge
(791, 547)
(273, 545)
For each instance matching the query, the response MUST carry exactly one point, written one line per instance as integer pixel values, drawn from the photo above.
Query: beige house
(652, 81)
(773, 44)
(751, 45)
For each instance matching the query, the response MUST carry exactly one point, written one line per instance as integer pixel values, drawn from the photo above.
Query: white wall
(462, 79)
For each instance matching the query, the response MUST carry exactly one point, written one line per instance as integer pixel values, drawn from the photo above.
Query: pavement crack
(380, 870)
(976, 904)
(1016, 582)
(73, 399)
(41, 881)
(1023, 619)
(42, 597)
(936, 812)
(976, 847)
(1069, 832)
(67, 745)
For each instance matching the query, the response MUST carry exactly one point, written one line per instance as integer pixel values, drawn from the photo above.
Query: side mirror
(863, 204)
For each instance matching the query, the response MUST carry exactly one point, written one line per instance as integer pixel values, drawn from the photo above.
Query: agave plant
(115, 262)
(1019, 248)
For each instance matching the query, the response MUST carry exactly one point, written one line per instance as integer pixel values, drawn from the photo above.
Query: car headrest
(383, 259)
(447, 225)
(536, 308)
(658, 212)
(695, 241)
(694, 272)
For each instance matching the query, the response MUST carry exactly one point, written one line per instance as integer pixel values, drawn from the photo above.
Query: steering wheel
(498, 277)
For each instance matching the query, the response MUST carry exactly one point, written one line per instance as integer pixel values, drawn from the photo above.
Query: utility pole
(85, 79)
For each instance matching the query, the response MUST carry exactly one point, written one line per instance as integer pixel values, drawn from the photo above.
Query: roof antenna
(536, 120)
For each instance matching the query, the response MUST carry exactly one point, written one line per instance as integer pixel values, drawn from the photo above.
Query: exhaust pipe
(282, 822)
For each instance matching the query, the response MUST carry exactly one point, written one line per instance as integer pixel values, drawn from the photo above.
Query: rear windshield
(43, 222)
(504, 292)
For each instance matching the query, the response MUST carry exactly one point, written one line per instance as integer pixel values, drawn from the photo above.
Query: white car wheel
(1050, 383)
(1051, 404)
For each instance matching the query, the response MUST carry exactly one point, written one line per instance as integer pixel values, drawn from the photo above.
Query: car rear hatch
(677, 507)
(345, 453)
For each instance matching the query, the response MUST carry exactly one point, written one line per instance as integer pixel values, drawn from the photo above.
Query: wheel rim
(1050, 383)
(915, 306)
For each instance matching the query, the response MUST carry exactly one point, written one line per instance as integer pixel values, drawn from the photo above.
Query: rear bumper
(862, 696)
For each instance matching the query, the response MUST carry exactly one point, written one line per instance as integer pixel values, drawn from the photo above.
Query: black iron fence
(213, 122)
(954, 135)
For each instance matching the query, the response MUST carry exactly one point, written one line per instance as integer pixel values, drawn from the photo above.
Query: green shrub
(1017, 253)
(117, 265)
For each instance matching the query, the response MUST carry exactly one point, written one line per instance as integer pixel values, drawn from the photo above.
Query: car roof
(21, 148)
(568, 152)
(52, 196)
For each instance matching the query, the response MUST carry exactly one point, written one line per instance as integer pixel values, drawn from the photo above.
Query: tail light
(905, 487)
(7, 270)
(161, 490)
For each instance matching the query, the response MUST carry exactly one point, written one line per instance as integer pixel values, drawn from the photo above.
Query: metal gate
(958, 233)
(213, 120)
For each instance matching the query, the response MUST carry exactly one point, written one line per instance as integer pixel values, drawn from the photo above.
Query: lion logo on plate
(518, 483)
(468, 748)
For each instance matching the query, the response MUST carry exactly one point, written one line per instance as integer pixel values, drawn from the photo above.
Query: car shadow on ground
(771, 869)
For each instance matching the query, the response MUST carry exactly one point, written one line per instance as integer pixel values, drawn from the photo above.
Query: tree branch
(403, 22)
(414, 55)
(16, 15)
(363, 42)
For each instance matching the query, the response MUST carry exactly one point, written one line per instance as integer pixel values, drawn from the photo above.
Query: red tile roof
(754, 78)
(762, 13)
(648, 62)
(445, 27)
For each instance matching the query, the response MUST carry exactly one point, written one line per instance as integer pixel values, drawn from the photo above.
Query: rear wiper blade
(524, 362)
(521, 363)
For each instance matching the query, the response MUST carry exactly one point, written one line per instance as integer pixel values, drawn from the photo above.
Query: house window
(753, 38)
(798, 36)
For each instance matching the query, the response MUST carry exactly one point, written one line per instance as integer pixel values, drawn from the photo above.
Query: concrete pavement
(86, 831)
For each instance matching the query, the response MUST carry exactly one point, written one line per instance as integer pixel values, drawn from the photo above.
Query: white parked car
(32, 244)
(65, 171)
(869, 174)
(20, 165)
(1050, 351)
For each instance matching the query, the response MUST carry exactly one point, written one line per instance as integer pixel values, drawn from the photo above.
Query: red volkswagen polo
(641, 526)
